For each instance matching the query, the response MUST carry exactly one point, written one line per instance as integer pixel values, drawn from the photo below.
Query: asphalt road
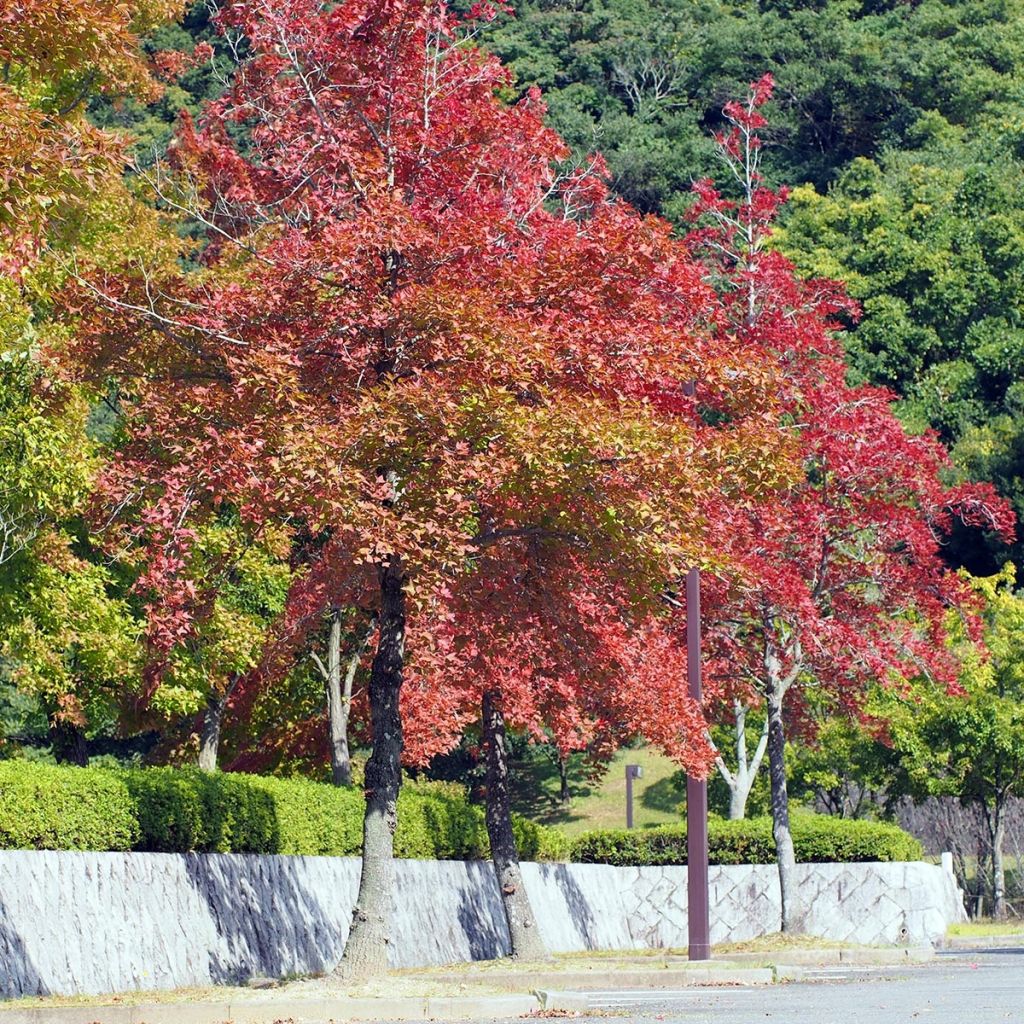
(980, 987)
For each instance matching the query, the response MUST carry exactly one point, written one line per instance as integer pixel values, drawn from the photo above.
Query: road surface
(980, 987)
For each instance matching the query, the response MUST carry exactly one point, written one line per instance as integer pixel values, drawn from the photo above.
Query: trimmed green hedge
(817, 838)
(176, 810)
(44, 807)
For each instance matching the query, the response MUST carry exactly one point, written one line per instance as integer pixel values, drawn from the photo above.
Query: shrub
(817, 838)
(552, 845)
(533, 841)
(179, 810)
(314, 819)
(46, 807)
(436, 822)
(184, 809)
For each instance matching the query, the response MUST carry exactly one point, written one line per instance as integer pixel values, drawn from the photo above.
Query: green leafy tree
(245, 579)
(846, 769)
(971, 744)
(642, 80)
(931, 243)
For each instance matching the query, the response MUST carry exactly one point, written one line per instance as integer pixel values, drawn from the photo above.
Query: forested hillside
(900, 128)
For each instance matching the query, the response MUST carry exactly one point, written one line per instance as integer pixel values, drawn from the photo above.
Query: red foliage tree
(840, 577)
(416, 340)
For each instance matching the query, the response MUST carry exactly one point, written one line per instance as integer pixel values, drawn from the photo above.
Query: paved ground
(979, 987)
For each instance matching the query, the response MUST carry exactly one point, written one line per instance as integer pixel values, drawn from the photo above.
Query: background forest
(897, 131)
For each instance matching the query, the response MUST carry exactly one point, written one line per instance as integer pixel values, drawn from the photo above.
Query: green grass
(983, 929)
(599, 803)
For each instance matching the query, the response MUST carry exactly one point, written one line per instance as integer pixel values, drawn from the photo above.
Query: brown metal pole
(698, 922)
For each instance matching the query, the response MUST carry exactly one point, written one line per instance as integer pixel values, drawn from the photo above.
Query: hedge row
(176, 810)
(817, 839)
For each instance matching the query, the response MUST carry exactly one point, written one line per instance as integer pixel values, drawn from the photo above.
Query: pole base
(698, 951)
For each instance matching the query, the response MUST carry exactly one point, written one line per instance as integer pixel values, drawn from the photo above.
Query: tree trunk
(997, 834)
(563, 780)
(785, 854)
(741, 780)
(68, 743)
(738, 800)
(209, 738)
(366, 951)
(339, 699)
(522, 925)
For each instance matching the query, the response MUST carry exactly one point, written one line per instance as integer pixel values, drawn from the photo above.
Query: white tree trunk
(740, 780)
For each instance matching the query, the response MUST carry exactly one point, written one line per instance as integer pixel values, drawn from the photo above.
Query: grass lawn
(600, 803)
(982, 929)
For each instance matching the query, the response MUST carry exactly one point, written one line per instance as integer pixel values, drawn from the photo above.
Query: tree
(741, 777)
(69, 631)
(339, 692)
(239, 580)
(409, 335)
(931, 241)
(970, 742)
(544, 640)
(842, 580)
(848, 769)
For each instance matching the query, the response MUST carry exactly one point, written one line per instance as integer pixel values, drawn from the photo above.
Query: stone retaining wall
(78, 923)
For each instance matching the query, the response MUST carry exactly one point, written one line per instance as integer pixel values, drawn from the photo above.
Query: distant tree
(970, 742)
(931, 243)
(846, 767)
(643, 80)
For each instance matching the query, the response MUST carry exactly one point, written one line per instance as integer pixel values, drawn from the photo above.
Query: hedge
(817, 839)
(178, 810)
(44, 807)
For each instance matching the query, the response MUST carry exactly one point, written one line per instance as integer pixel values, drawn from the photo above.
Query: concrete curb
(277, 1011)
(1012, 941)
(602, 978)
(567, 991)
(812, 957)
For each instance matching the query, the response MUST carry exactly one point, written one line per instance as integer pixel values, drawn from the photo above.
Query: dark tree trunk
(784, 852)
(522, 925)
(339, 697)
(68, 742)
(209, 738)
(563, 780)
(366, 951)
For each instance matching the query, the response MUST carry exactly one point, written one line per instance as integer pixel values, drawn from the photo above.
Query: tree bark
(785, 854)
(209, 737)
(997, 834)
(366, 951)
(741, 780)
(522, 924)
(68, 743)
(563, 780)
